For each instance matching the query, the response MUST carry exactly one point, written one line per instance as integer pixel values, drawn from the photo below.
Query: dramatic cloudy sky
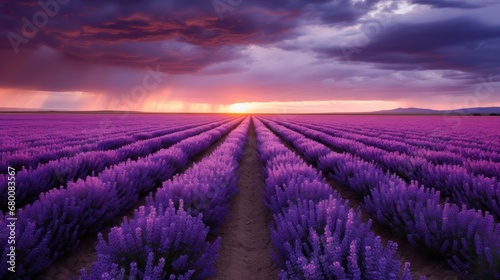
(249, 55)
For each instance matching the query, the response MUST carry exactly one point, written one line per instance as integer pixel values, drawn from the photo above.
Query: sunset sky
(249, 55)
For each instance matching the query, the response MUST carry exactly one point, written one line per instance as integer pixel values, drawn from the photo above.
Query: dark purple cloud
(461, 44)
(462, 4)
(181, 36)
(89, 23)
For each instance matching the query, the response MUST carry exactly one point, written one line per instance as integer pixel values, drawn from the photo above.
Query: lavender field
(214, 196)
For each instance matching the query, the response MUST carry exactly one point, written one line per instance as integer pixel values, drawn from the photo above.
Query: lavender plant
(156, 244)
(327, 240)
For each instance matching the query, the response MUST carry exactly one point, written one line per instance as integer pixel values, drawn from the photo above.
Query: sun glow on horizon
(160, 103)
(319, 106)
(239, 108)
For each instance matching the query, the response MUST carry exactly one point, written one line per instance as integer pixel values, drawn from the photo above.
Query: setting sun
(239, 108)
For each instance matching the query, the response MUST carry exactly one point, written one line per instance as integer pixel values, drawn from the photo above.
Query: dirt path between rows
(245, 251)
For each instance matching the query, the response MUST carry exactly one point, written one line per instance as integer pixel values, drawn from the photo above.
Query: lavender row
(478, 162)
(53, 225)
(30, 183)
(469, 137)
(56, 173)
(60, 146)
(472, 133)
(446, 153)
(464, 146)
(315, 233)
(456, 149)
(139, 128)
(52, 141)
(208, 186)
(422, 136)
(76, 129)
(167, 238)
(34, 157)
(467, 239)
(476, 192)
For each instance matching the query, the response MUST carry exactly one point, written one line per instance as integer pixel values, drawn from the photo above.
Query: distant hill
(420, 111)
(412, 110)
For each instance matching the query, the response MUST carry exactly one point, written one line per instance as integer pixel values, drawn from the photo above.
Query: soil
(246, 247)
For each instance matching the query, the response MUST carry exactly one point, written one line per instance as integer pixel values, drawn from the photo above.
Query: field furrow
(245, 251)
